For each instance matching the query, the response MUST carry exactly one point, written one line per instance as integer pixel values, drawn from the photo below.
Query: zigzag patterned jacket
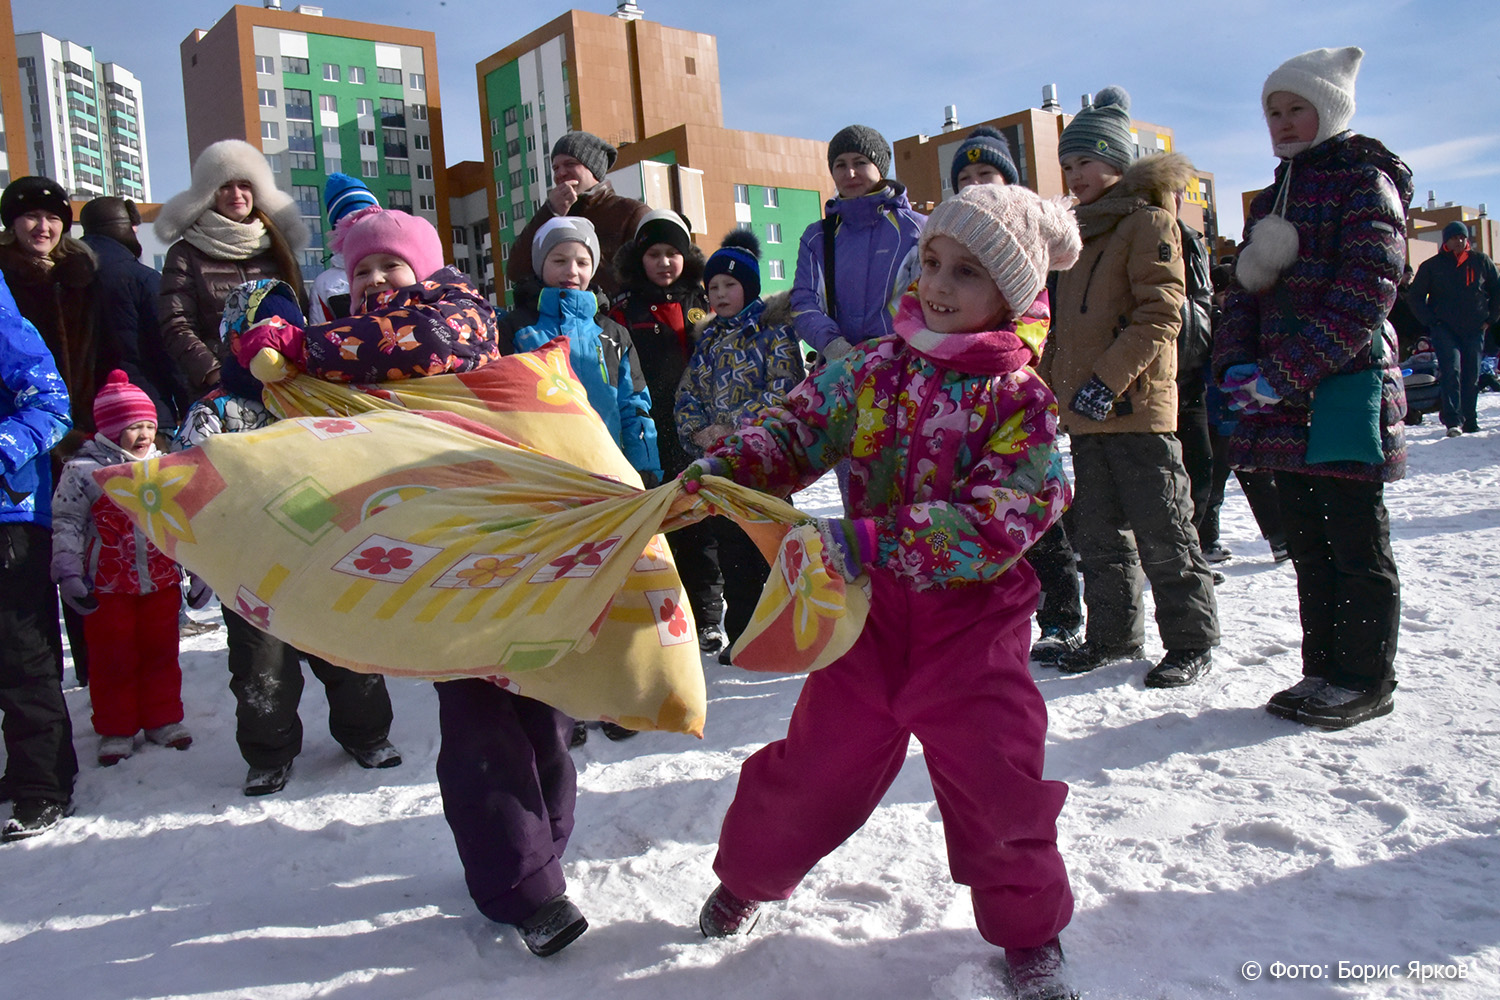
(1347, 199)
(953, 453)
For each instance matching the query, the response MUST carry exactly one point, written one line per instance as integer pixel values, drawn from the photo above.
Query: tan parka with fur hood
(1117, 311)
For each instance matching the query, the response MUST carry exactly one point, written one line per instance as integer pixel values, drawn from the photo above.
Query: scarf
(982, 352)
(224, 239)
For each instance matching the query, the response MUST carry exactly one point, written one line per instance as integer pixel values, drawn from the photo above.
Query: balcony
(299, 112)
(395, 151)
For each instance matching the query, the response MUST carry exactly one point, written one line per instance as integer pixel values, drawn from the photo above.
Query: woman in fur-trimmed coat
(231, 226)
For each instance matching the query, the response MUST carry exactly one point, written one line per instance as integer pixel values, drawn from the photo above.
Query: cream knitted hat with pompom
(1017, 235)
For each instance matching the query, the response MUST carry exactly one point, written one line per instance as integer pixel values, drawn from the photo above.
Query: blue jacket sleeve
(34, 411)
(637, 429)
(809, 314)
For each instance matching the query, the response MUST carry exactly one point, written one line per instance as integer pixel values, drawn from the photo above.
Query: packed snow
(1201, 833)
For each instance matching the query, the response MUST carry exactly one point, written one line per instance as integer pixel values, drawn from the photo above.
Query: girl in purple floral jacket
(955, 472)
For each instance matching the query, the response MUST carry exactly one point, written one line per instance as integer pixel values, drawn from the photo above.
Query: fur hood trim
(227, 160)
(778, 310)
(1156, 178)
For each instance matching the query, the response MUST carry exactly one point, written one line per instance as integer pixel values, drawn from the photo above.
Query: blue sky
(1429, 87)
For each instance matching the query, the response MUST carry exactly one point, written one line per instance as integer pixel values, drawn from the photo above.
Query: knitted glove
(692, 476)
(276, 334)
(1248, 390)
(1093, 400)
(78, 594)
(199, 593)
(837, 348)
(849, 544)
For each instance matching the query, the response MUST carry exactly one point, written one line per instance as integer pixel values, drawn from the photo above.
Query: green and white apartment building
(85, 124)
(318, 96)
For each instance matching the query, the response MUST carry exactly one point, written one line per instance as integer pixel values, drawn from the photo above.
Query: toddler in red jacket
(129, 590)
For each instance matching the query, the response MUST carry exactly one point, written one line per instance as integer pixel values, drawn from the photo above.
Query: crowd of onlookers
(932, 363)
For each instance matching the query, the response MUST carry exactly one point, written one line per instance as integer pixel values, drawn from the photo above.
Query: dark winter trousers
(745, 572)
(1056, 569)
(39, 758)
(508, 788)
(265, 675)
(1260, 492)
(137, 682)
(78, 644)
(946, 666)
(1458, 375)
(696, 553)
(1348, 592)
(1197, 449)
(1133, 511)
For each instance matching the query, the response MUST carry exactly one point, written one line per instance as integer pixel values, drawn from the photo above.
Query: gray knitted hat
(1017, 235)
(588, 149)
(985, 145)
(1101, 131)
(865, 141)
(563, 229)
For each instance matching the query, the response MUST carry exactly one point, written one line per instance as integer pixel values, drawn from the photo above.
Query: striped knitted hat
(343, 194)
(1101, 130)
(119, 404)
(1017, 235)
(984, 145)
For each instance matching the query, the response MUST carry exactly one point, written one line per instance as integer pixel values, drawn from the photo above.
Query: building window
(773, 198)
(367, 137)
(299, 137)
(397, 168)
(424, 171)
(303, 161)
(499, 158)
(460, 238)
(270, 130)
(395, 142)
(299, 104)
(775, 269)
(268, 98)
(513, 148)
(417, 111)
(330, 135)
(392, 112)
(510, 116)
(356, 74)
(364, 106)
(307, 198)
(494, 126)
(426, 203)
(742, 194)
(294, 64)
(530, 143)
(691, 65)
(333, 164)
(265, 64)
(417, 81)
(773, 232)
(420, 141)
(331, 72)
(328, 102)
(369, 168)
(398, 199)
(515, 178)
(386, 75)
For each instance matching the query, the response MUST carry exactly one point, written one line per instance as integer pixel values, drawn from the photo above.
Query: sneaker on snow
(1218, 552)
(1039, 973)
(381, 754)
(711, 639)
(580, 735)
(1284, 704)
(173, 734)
(1337, 707)
(1055, 641)
(724, 914)
(266, 780)
(1453, 432)
(616, 732)
(1280, 553)
(32, 817)
(113, 749)
(1092, 655)
(1217, 577)
(554, 926)
(1180, 667)
(725, 658)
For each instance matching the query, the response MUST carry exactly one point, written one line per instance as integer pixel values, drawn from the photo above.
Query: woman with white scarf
(233, 225)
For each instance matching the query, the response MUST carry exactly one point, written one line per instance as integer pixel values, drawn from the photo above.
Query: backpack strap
(830, 295)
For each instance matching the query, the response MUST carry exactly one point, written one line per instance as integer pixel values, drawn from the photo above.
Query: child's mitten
(692, 476)
(199, 593)
(276, 334)
(77, 594)
(1093, 400)
(1248, 390)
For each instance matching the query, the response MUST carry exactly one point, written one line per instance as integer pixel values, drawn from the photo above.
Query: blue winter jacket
(872, 236)
(33, 417)
(599, 350)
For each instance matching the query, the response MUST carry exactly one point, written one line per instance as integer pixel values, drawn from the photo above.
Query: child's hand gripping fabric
(1248, 390)
(692, 476)
(850, 544)
(199, 593)
(78, 594)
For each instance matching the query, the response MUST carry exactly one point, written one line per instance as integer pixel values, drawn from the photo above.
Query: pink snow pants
(950, 667)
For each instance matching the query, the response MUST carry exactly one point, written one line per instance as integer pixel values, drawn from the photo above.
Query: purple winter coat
(873, 236)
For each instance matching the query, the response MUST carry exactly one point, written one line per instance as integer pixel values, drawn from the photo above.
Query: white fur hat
(224, 161)
(1017, 235)
(1325, 79)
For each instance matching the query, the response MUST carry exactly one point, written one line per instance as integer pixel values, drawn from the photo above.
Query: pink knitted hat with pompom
(119, 404)
(377, 230)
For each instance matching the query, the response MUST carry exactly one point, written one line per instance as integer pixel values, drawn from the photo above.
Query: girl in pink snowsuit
(955, 472)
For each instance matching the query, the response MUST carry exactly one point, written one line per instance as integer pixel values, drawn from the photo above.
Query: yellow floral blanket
(482, 524)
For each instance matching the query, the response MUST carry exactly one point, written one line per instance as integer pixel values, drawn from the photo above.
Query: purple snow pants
(508, 787)
(948, 666)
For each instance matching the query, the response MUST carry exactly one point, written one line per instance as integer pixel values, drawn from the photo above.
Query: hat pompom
(1059, 227)
(744, 239)
(1112, 96)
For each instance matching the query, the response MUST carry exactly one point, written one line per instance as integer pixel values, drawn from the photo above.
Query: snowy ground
(1201, 833)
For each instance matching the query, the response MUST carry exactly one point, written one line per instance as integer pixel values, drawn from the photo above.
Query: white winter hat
(1325, 79)
(224, 161)
(1017, 235)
